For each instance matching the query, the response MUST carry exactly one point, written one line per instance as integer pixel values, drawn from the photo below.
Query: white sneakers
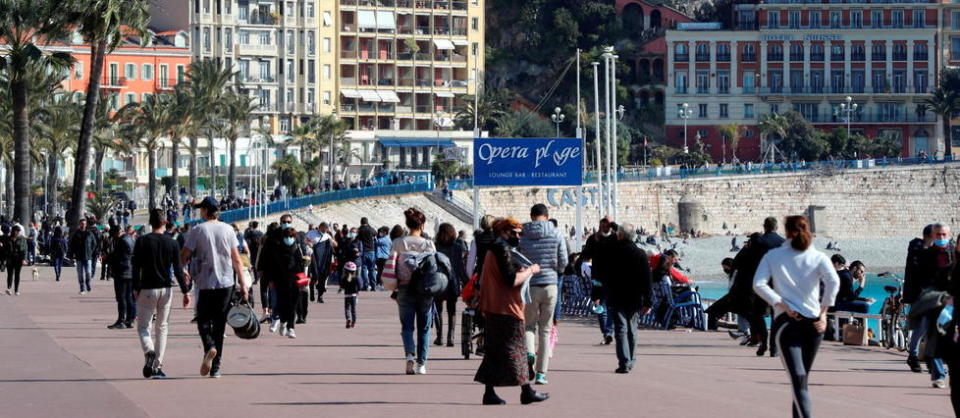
(291, 334)
(421, 369)
(275, 325)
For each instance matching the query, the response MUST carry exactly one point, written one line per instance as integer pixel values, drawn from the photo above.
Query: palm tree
(182, 126)
(208, 85)
(103, 140)
(731, 133)
(236, 112)
(24, 26)
(305, 135)
(104, 25)
(944, 103)
(59, 128)
(489, 108)
(332, 131)
(145, 124)
(772, 124)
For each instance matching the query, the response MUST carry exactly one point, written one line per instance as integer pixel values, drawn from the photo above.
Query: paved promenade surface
(59, 359)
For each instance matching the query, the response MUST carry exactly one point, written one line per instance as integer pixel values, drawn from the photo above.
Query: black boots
(490, 397)
(451, 324)
(529, 396)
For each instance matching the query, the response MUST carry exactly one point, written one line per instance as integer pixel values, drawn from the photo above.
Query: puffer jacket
(543, 244)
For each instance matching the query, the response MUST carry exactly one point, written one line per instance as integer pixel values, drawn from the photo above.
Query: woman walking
(285, 261)
(800, 314)
(505, 356)
(58, 251)
(416, 310)
(446, 242)
(16, 248)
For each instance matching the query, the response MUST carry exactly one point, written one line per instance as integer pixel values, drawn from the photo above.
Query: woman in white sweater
(796, 271)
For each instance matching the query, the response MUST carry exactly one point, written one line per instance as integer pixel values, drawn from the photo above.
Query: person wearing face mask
(272, 243)
(350, 252)
(927, 289)
(911, 289)
(286, 261)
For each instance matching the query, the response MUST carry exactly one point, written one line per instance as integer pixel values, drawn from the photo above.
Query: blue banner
(527, 161)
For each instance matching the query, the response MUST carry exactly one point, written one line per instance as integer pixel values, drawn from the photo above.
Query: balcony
(752, 57)
(257, 49)
(836, 57)
(681, 90)
(348, 81)
(816, 57)
(167, 83)
(351, 55)
(775, 57)
(703, 57)
(405, 108)
(681, 57)
(858, 57)
(406, 82)
(723, 57)
(920, 57)
(113, 82)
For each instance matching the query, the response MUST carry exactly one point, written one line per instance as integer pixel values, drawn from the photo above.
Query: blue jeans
(368, 276)
(84, 273)
(605, 320)
(934, 365)
(58, 267)
(416, 313)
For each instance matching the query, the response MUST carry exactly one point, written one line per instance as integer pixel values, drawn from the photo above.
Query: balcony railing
(681, 57)
(723, 57)
(703, 57)
(900, 57)
(775, 57)
(796, 57)
(113, 82)
(750, 57)
(816, 57)
(920, 57)
(348, 54)
(681, 90)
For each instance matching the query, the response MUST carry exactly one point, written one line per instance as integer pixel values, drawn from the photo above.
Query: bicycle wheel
(466, 335)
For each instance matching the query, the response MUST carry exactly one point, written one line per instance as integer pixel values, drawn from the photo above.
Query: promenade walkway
(57, 358)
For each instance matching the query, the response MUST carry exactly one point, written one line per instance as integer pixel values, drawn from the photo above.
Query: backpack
(431, 274)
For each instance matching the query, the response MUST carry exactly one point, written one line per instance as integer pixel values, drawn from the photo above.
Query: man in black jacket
(629, 293)
(320, 262)
(597, 249)
(83, 247)
(155, 257)
(367, 236)
(120, 261)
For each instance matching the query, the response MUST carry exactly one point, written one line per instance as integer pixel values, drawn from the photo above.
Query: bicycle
(893, 321)
(471, 332)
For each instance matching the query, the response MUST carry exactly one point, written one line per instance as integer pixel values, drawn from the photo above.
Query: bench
(834, 319)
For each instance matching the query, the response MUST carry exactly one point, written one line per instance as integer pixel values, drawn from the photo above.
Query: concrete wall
(890, 202)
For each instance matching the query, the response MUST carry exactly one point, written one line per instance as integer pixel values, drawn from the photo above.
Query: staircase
(456, 207)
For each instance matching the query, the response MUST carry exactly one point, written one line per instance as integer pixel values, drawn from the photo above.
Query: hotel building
(808, 56)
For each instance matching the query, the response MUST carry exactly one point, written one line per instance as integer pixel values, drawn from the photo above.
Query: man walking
(320, 262)
(155, 256)
(367, 237)
(213, 244)
(629, 294)
(120, 261)
(924, 291)
(543, 244)
(82, 247)
(597, 252)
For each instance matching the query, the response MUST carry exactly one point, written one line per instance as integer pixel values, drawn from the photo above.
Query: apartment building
(807, 56)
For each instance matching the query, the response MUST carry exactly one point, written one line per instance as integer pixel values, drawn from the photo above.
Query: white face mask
(607, 234)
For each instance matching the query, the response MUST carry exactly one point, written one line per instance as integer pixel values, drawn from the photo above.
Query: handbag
(302, 280)
(854, 334)
(389, 276)
(471, 292)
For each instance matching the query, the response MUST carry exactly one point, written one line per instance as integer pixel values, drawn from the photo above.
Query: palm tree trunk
(152, 179)
(947, 145)
(232, 170)
(9, 186)
(193, 167)
(51, 187)
(213, 166)
(98, 156)
(98, 52)
(175, 170)
(21, 151)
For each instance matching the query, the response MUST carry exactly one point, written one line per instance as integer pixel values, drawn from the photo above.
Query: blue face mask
(941, 242)
(289, 241)
(286, 225)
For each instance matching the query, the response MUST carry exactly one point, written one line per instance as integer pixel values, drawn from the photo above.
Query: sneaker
(734, 335)
(348, 323)
(284, 330)
(148, 359)
(622, 370)
(17, 293)
(128, 325)
(421, 369)
(158, 374)
(607, 339)
(8, 291)
(82, 293)
(541, 379)
(939, 384)
(215, 374)
(207, 361)
(914, 363)
(275, 325)
(301, 321)
(291, 334)
(115, 325)
(411, 363)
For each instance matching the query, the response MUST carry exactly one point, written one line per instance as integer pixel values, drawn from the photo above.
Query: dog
(36, 274)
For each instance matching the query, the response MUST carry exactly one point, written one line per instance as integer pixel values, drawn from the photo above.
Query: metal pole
(578, 225)
(609, 155)
(615, 167)
(597, 140)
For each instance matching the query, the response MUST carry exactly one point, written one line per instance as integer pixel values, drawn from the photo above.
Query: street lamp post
(557, 118)
(597, 138)
(845, 111)
(685, 113)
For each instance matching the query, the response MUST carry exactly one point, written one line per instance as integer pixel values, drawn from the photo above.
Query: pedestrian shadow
(840, 385)
(336, 374)
(346, 403)
(342, 345)
(91, 380)
(391, 383)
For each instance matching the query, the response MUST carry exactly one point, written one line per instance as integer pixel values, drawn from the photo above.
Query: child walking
(351, 288)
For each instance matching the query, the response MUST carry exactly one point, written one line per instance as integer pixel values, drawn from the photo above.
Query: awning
(460, 42)
(350, 93)
(327, 19)
(369, 96)
(443, 44)
(389, 97)
(385, 21)
(397, 142)
(444, 94)
(367, 19)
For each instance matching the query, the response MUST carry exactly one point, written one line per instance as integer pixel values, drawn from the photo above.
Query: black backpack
(432, 275)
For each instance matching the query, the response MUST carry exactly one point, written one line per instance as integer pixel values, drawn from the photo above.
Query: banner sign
(527, 162)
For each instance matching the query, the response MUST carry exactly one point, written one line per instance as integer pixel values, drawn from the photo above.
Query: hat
(350, 266)
(208, 202)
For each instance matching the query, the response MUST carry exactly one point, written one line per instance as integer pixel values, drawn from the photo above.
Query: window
(702, 133)
(311, 43)
(796, 52)
(816, 81)
(130, 71)
(856, 19)
(326, 45)
(724, 110)
(475, 24)
(244, 70)
(814, 19)
(748, 110)
(265, 71)
(880, 83)
(876, 18)
(131, 98)
(920, 52)
(703, 82)
(311, 72)
(244, 38)
(899, 52)
(773, 19)
(327, 19)
(265, 38)
(475, 48)
(290, 9)
(749, 82)
(702, 111)
(244, 12)
(897, 19)
(115, 101)
(147, 72)
(796, 81)
(879, 52)
(703, 52)
(836, 52)
(311, 12)
(775, 52)
(326, 98)
(291, 42)
(918, 19)
(723, 82)
(836, 81)
(723, 52)
(793, 19)
(775, 80)
(816, 52)
(680, 81)
(857, 53)
(774, 108)
(807, 110)
(145, 97)
(290, 70)
(206, 40)
(228, 40)
(920, 81)
(182, 72)
(164, 75)
(955, 20)
(680, 52)
(899, 81)
(857, 81)
(326, 71)
(834, 19)
(78, 70)
(749, 52)
(955, 48)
